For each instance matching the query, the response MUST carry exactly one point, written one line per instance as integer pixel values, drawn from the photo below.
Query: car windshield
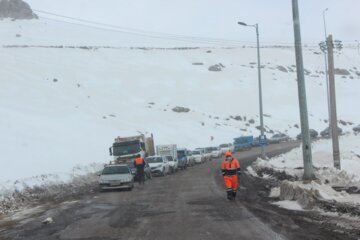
(196, 153)
(115, 170)
(224, 145)
(154, 159)
(126, 149)
(180, 154)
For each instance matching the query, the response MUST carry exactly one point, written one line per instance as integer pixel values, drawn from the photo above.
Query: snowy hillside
(63, 106)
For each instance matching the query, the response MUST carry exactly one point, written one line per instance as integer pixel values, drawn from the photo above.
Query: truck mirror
(110, 151)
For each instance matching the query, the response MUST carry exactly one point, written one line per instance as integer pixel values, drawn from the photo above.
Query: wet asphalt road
(189, 204)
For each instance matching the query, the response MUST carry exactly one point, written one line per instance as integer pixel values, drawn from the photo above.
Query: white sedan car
(158, 165)
(198, 156)
(116, 176)
(173, 163)
(216, 152)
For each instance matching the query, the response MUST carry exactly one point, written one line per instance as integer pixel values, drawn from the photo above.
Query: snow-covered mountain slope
(60, 107)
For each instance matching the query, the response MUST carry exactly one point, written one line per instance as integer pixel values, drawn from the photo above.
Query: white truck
(169, 150)
(126, 149)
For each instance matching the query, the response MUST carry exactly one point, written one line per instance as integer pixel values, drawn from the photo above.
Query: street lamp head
(242, 23)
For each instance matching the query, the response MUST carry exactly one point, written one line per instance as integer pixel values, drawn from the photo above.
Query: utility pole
(334, 127)
(326, 73)
(306, 145)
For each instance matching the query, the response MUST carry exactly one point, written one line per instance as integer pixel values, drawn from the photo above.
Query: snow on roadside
(17, 194)
(291, 205)
(291, 163)
(288, 168)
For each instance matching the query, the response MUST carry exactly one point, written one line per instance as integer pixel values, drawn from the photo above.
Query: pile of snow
(315, 195)
(291, 163)
(291, 205)
(320, 193)
(48, 188)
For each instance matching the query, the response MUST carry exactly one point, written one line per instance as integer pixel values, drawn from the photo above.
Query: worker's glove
(239, 173)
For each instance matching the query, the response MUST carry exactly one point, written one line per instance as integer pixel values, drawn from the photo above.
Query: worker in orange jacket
(139, 163)
(230, 169)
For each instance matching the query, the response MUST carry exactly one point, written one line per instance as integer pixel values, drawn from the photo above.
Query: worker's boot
(229, 195)
(234, 194)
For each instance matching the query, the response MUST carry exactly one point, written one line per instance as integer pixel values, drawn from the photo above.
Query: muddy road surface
(189, 204)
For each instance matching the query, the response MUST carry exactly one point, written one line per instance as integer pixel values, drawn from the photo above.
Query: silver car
(116, 176)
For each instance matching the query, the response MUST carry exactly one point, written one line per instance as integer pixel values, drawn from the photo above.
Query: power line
(160, 35)
(143, 33)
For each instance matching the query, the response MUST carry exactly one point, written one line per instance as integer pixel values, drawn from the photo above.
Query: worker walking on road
(230, 169)
(139, 163)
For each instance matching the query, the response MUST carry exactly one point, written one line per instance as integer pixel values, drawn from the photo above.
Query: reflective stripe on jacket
(230, 168)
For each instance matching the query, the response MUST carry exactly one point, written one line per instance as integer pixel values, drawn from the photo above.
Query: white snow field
(63, 106)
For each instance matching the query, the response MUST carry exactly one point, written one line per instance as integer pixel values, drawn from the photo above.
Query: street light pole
(263, 155)
(326, 73)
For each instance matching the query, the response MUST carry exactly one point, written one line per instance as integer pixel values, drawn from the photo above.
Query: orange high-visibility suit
(230, 169)
(139, 163)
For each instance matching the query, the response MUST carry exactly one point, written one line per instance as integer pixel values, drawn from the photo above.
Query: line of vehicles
(167, 159)
(161, 160)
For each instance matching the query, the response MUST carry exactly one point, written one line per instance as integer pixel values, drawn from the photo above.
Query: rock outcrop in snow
(16, 9)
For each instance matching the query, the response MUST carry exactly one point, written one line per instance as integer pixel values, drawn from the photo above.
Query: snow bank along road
(187, 205)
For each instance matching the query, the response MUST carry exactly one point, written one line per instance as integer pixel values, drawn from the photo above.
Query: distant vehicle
(326, 132)
(173, 163)
(126, 149)
(183, 158)
(256, 142)
(116, 176)
(243, 143)
(215, 152)
(198, 156)
(133, 170)
(190, 157)
(356, 128)
(313, 134)
(206, 153)
(159, 165)
(167, 150)
(279, 137)
(226, 147)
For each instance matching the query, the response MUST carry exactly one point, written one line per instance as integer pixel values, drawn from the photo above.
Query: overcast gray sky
(218, 19)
